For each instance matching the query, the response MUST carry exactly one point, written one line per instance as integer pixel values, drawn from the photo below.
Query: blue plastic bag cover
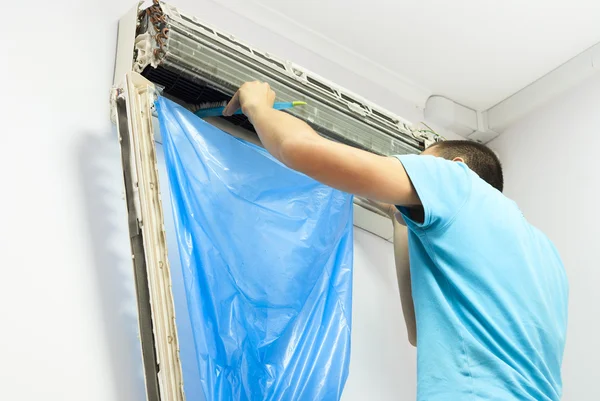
(267, 265)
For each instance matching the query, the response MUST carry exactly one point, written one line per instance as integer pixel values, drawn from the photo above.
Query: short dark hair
(481, 159)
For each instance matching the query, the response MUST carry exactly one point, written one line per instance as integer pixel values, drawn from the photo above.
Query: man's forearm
(402, 269)
(404, 279)
(280, 132)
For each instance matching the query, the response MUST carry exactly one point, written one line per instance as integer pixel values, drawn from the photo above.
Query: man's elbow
(412, 340)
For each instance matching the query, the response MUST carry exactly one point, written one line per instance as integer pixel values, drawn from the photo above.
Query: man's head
(481, 159)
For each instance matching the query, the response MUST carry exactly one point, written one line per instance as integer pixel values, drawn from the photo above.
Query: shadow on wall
(101, 178)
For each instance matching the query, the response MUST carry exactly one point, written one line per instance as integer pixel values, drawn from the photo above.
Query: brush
(215, 109)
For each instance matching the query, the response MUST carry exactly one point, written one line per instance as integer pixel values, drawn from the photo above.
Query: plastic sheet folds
(266, 254)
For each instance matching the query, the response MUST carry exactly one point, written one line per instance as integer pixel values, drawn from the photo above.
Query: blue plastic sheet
(266, 255)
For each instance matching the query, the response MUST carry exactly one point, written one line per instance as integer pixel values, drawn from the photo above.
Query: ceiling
(475, 52)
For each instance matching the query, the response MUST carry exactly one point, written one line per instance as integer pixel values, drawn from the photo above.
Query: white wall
(66, 295)
(551, 165)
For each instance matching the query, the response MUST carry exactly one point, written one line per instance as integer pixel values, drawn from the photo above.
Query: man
(489, 290)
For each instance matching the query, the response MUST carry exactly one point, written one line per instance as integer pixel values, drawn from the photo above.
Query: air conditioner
(162, 50)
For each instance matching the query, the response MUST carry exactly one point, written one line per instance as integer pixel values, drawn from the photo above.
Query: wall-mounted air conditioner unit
(161, 50)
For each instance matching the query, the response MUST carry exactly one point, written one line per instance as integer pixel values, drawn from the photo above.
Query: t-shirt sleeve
(442, 185)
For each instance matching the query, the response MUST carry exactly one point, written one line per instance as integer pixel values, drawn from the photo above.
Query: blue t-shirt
(490, 291)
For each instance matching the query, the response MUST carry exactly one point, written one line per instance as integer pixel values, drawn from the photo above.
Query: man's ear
(458, 159)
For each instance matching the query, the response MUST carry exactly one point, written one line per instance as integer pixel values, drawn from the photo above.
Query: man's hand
(251, 97)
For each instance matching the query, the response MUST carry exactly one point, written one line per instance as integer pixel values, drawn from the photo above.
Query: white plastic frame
(133, 102)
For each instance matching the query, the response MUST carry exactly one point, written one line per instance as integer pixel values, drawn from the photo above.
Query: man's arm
(402, 269)
(298, 146)
(404, 281)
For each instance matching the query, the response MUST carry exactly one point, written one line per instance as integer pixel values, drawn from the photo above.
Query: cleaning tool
(215, 109)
